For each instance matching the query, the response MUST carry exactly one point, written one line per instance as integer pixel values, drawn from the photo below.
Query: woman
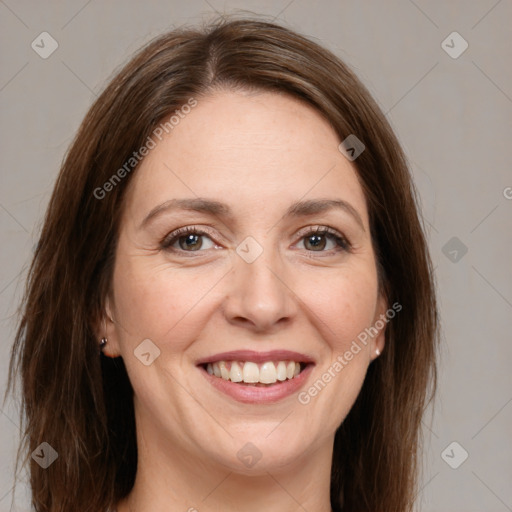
(231, 305)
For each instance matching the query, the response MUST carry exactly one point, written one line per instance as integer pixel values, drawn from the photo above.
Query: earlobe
(381, 321)
(378, 345)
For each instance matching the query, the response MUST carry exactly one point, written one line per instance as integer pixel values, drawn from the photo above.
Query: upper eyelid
(321, 228)
(187, 229)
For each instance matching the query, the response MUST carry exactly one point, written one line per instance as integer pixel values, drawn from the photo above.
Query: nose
(260, 295)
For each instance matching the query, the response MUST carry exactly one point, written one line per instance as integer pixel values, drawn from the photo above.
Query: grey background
(453, 117)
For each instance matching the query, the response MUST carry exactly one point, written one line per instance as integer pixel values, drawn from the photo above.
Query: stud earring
(377, 351)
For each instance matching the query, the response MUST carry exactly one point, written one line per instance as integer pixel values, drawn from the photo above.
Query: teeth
(290, 370)
(252, 373)
(235, 374)
(281, 370)
(268, 373)
(224, 372)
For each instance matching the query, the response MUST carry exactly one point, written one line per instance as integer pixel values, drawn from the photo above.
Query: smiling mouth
(249, 373)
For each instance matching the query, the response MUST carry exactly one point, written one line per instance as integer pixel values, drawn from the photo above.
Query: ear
(108, 330)
(379, 322)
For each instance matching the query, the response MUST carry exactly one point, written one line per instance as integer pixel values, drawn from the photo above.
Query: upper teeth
(252, 373)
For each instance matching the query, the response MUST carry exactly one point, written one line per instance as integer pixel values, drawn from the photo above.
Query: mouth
(253, 377)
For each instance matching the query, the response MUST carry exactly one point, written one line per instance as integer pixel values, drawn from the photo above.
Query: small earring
(377, 351)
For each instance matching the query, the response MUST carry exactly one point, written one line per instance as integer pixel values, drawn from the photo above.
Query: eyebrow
(297, 209)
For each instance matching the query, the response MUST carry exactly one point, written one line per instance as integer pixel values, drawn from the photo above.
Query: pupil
(316, 241)
(191, 241)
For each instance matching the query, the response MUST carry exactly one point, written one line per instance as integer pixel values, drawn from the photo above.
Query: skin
(258, 153)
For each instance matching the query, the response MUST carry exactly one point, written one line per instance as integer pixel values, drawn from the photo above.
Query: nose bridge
(258, 291)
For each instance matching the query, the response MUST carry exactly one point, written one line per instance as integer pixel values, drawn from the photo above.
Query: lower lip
(258, 394)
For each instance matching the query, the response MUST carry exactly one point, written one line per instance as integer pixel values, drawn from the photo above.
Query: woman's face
(260, 291)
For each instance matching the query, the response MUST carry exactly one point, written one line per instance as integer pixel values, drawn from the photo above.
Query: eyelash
(342, 243)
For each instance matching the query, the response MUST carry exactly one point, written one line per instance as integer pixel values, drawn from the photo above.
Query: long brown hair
(81, 402)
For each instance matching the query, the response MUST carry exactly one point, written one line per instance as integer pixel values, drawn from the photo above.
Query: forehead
(247, 149)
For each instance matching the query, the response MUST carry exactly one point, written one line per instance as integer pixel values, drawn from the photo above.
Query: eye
(191, 239)
(318, 239)
(188, 239)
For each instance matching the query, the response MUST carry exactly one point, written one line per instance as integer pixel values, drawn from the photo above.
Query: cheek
(344, 303)
(157, 302)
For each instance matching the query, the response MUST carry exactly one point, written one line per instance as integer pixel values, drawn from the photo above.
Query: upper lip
(257, 357)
